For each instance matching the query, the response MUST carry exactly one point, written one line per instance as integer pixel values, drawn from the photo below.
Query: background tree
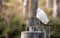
(56, 10)
(49, 3)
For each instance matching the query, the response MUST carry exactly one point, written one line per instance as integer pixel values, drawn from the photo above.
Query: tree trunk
(56, 9)
(33, 5)
(6, 35)
(25, 8)
(49, 3)
(30, 7)
(0, 6)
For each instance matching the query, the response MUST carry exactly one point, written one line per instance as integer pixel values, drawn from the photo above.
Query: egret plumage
(42, 16)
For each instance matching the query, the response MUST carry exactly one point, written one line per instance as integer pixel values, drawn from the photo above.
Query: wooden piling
(34, 34)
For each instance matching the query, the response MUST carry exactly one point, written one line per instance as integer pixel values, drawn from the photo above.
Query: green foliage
(55, 27)
(14, 26)
(7, 1)
(54, 21)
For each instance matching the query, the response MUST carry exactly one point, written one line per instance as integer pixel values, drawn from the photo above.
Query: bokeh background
(13, 21)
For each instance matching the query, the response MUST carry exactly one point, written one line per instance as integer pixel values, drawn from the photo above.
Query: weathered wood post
(56, 10)
(32, 7)
(47, 31)
(36, 34)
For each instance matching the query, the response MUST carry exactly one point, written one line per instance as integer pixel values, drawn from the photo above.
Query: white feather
(42, 16)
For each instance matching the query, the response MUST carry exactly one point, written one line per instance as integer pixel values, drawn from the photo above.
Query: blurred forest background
(12, 21)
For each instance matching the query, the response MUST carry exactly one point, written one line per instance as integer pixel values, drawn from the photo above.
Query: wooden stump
(32, 34)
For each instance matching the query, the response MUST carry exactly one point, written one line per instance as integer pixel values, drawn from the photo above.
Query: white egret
(42, 16)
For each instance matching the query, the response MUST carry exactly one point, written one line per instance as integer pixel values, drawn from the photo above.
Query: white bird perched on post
(42, 16)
